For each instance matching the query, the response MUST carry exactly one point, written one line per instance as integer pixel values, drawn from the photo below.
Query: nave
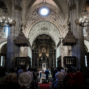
(44, 44)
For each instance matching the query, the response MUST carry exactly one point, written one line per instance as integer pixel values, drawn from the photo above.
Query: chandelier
(83, 20)
(6, 21)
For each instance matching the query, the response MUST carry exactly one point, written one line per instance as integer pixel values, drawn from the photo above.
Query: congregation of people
(28, 78)
(70, 79)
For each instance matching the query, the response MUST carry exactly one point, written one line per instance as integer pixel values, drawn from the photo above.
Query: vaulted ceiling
(23, 5)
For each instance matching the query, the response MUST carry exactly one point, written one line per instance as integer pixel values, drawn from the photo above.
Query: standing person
(59, 77)
(40, 76)
(25, 78)
(69, 80)
(47, 75)
(19, 71)
(79, 78)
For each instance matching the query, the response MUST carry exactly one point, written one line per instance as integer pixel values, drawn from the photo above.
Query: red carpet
(44, 86)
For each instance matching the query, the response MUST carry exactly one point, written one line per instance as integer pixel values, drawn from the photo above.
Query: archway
(44, 27)
(43, 52)
(47, 28)
(53, 25)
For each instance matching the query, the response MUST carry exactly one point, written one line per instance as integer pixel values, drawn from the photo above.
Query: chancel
(43, 40)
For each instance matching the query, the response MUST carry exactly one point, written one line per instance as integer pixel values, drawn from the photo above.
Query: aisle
(44, 85)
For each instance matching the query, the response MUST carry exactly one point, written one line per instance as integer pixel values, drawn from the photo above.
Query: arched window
(3, 55)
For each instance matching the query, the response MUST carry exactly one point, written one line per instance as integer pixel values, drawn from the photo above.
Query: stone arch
(45, 35)
(44, 27)
(56, 17)
(1, 45)
(4, 49)
(43, 51)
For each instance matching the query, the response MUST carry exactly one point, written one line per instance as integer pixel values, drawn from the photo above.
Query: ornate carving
(44, 28)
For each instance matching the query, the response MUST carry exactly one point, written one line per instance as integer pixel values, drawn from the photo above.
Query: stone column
(10, 43)
(10, 51)
(78, 49)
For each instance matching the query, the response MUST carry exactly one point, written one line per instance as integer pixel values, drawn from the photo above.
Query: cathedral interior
(44, 34)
